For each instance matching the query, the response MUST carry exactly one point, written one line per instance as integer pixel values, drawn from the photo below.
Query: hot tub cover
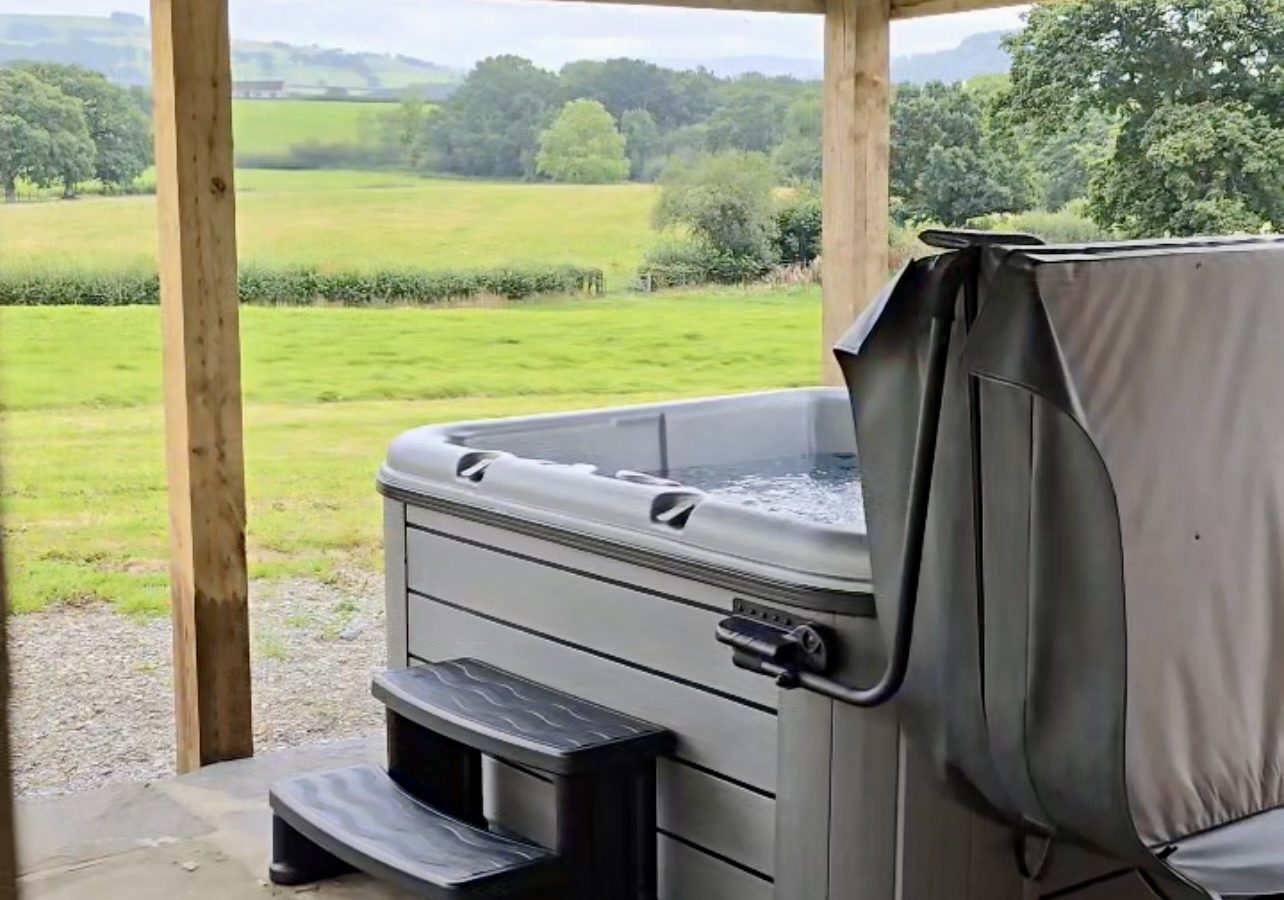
(1099, 642)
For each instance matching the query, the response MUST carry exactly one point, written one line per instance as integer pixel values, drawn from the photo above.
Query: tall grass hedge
(301, 286)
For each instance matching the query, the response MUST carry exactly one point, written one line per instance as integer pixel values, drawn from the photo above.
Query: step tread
(360, 815)
(517, 719)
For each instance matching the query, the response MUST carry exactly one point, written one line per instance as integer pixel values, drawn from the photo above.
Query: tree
(43, 134)
(582, 146)
(799, 156)
(1194, 90)
(404, 131)
(1202, 168)
(490, 126)
(725, 201)
(948, 163)
(798, 227)
(1064, 161)
(641, 143)
(624, 84)
(752, 116)
(120, 132)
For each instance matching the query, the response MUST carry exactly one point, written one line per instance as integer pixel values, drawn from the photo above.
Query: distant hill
(119, 45)
(980, 54)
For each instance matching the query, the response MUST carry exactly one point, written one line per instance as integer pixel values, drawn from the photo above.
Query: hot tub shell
(552, 546)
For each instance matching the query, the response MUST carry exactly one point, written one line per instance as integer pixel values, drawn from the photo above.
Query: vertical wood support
(857, 135)
(194, 190)
(8, 850)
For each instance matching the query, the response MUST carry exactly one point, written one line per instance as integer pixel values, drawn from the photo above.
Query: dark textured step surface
(359, 815)
(510, 717)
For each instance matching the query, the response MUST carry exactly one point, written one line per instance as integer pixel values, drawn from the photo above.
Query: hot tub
(581, 551)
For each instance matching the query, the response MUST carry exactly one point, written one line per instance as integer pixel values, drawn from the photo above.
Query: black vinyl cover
(1099, 639)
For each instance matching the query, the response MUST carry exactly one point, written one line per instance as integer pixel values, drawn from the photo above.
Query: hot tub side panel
(631, 638)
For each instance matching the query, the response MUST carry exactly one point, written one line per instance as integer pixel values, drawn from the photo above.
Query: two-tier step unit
(420, 824)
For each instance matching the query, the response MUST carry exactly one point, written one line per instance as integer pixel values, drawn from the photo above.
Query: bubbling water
(823, 489)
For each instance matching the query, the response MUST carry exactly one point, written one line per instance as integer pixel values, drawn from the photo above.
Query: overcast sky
(459, 32)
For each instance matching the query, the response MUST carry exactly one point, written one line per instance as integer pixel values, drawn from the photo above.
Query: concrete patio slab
(195, 836)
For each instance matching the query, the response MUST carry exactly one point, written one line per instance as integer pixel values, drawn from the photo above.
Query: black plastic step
(508, 716)
(362, 818)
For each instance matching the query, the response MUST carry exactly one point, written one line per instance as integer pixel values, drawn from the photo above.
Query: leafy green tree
(684, 146)
(798, 227)
(947, 163)
(583, 146)
(642, 141)
(1202, 168)
(626, 84)
(121, 134)
(1064, 161)
(798, 157)
(752, 116)
(403, 132)
(43, 135)
(490, 126)
(725, 201)
(1194, 89)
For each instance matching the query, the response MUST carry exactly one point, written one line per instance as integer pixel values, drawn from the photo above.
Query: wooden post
(194, 189)
(8, 851)
(856, 164)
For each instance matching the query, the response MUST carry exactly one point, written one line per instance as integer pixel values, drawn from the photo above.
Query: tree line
(1149, 116)
(64, 125)
(953, 155)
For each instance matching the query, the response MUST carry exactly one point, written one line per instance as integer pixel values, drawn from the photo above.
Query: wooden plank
(658, 633)
(720, 735)
(705, 811)
(394, 576)
(8, 851)
(772, 6)
(688, 874)
(864, 804)
(901, 9)
(202, 365)
(803, 795)
(717, 815)
(913, 9)
(569, 557)
(857, 137)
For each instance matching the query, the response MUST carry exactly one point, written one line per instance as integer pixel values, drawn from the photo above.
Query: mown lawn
(358, 220)
(326, 389)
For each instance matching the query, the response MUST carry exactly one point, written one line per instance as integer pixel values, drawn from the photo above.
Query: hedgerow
(301, 286)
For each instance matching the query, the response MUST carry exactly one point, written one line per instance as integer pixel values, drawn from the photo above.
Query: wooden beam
(912, 9)
(857, 135)
(202, 362)
(900, 9)
(776, 6)
(8, 852)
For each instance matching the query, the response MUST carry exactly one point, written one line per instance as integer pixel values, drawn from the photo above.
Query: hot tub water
(823, 489)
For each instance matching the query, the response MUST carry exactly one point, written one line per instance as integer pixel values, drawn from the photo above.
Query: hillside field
(119, 45)
(326, 390)
(272, 127)
(359, 220)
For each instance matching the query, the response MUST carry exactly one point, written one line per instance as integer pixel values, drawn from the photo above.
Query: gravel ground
(93, 702)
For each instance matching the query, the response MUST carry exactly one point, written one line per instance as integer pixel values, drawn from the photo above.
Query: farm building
(561, 721)
(258, 90)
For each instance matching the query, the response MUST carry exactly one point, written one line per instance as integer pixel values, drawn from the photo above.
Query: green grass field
(358, 220)
(326, 389)
(271, 127)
